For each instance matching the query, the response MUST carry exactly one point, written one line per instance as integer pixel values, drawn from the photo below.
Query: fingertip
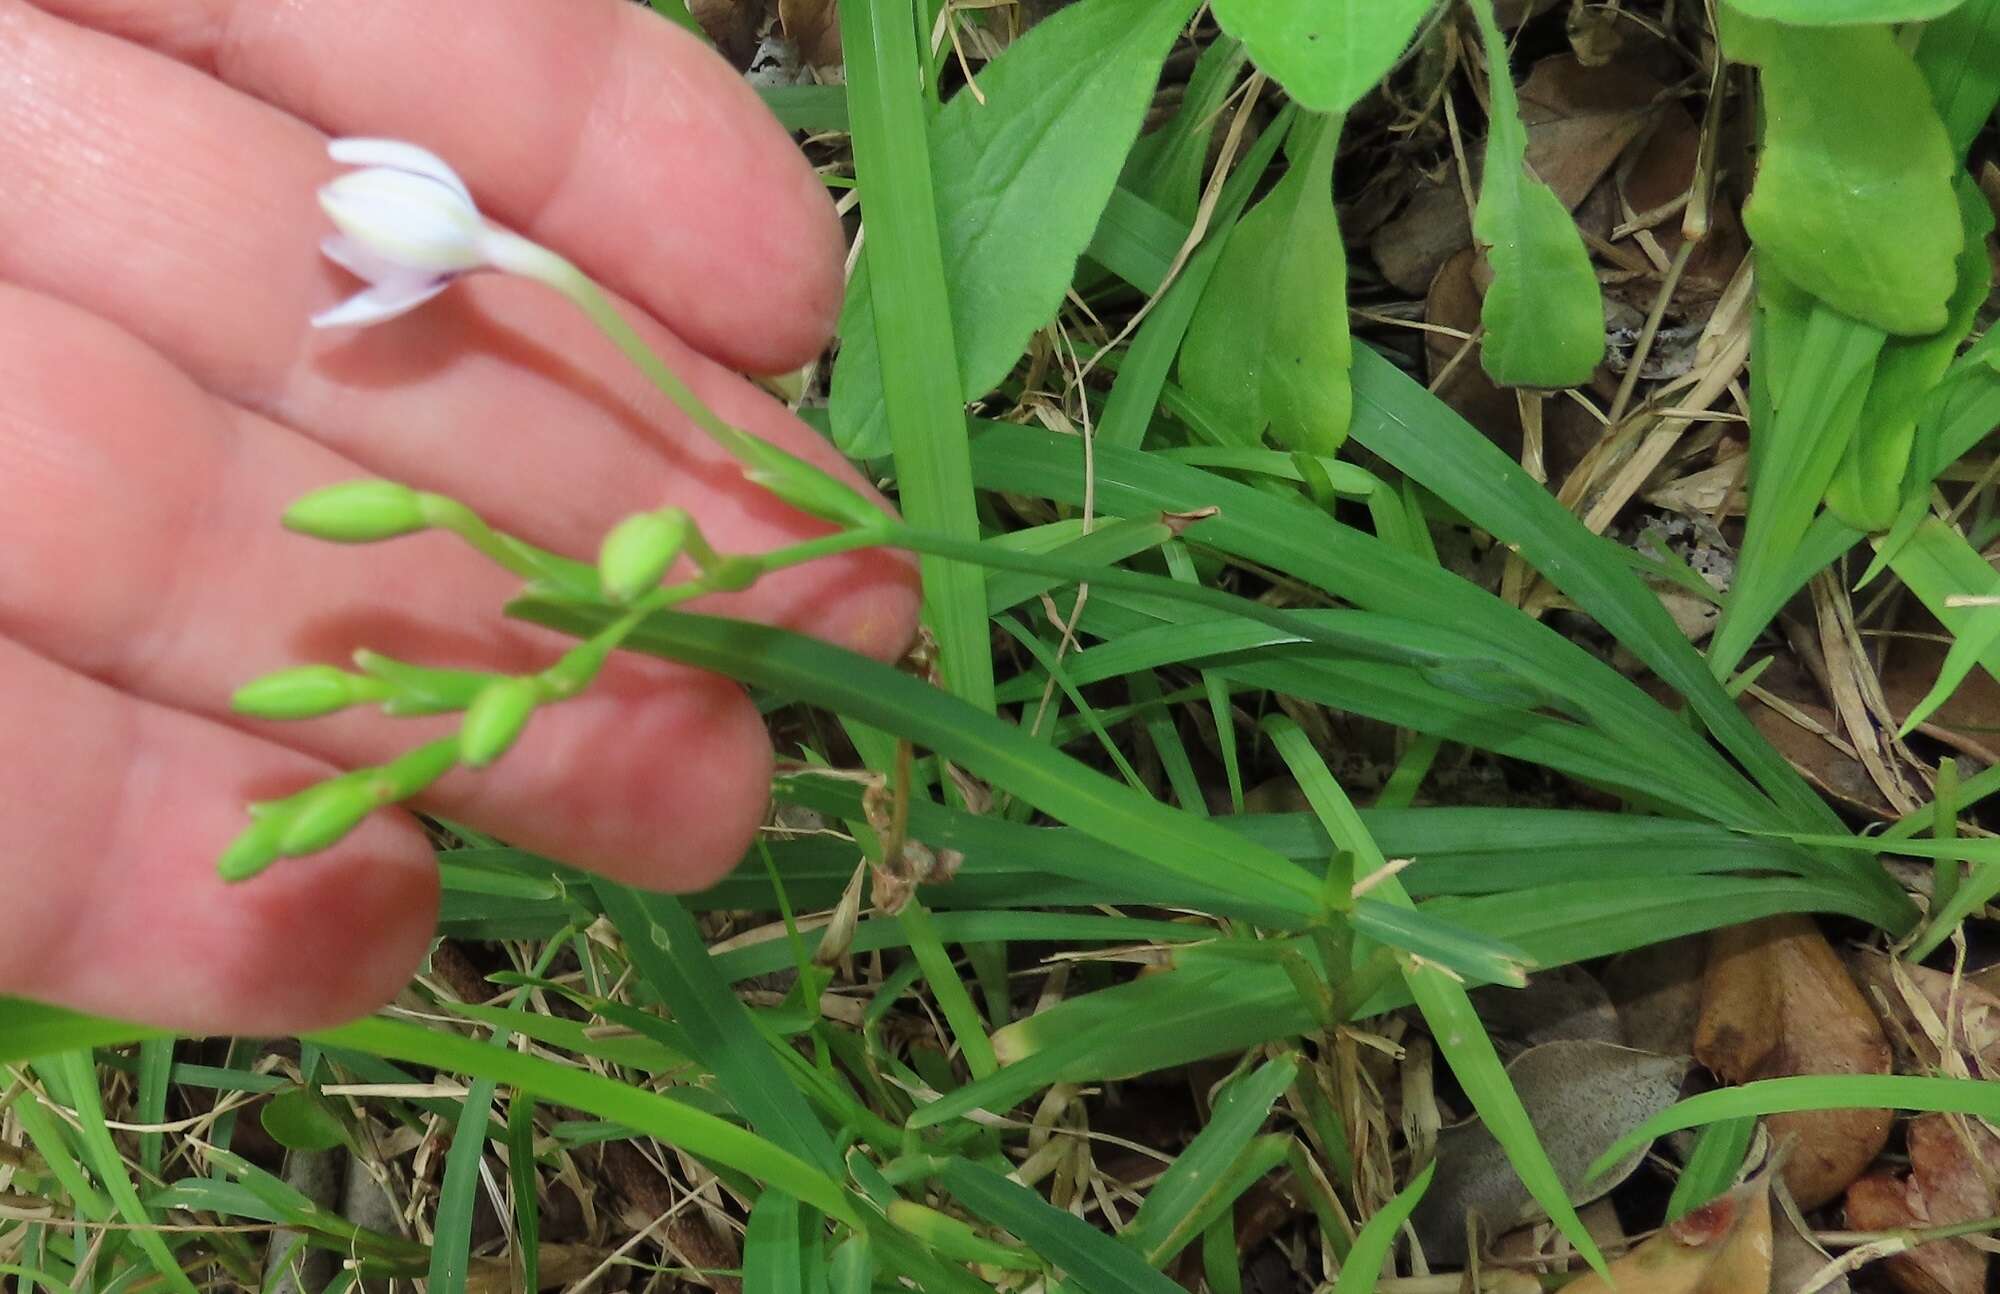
(332, 937)
(771, 275)
(658, 777)
(308, 943)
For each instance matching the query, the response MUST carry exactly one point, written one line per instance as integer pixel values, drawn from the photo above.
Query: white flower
(408, 226)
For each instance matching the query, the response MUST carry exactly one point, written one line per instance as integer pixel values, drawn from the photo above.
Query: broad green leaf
(1959, 56)
(1022, 173)
(1869, 489)
(1269, 342)
(1827, 13)
(1853, 200)
(1543, 314)
(1326, 53)
(1363, 1268)
(299, 1120)
(1143, 367)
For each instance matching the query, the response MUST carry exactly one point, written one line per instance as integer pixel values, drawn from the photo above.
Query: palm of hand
(162, 399)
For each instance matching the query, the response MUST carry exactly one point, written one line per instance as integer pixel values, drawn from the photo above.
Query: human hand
(162, 400)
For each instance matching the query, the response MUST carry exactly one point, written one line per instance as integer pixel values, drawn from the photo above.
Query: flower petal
(405, 219)
(383, 301)
(398, 155)
(356, 258)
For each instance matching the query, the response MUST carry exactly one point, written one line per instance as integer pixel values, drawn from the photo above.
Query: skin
(162, 399)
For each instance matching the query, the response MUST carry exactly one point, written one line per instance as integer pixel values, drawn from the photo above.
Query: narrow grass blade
(666, 947)
(673, 1122)
(1397, 419)
(521, 1177)
(1711, 1166)
(1814, 1092)
(774, 1260)
(912, 323)
(30, 1029)
(1363, 1268)
(156, 1063)
(1455, 1026)
(1175, 1197)
(1095, 1262)
(78, 1081)
(799, 667)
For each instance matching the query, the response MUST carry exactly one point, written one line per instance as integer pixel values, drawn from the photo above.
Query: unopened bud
(358, 512)
(303, 693)
(321, 816)
(254, 849)
(495, 718)
(636, 554)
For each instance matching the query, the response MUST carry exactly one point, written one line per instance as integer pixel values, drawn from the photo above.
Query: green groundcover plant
(1235, 439)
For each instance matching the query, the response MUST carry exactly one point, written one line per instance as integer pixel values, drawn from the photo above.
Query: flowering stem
(788, 476)
(536, 565)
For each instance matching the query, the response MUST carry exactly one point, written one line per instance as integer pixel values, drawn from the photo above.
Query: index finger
(593, 126)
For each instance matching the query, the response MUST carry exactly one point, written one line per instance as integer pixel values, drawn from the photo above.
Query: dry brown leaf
(1796, 1257)
(559, 1265)
(1966, 1019)
(1723, 1247)
(813, 26)
(1580, 120)
(1969, 718)
(1832, 769)
(1561, 1004)
(1944, 1185)
(1581, 1097)
(1432, 227)
(1657, 993)
(1512, 13)
(1776, 1002)
(732, 25)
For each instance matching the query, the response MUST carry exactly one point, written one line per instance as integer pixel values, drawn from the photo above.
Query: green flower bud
(636, 554)
(321, 816)
(495, 719)
(411, 773)
(254, 849)
(358, 512)
(303, 693)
